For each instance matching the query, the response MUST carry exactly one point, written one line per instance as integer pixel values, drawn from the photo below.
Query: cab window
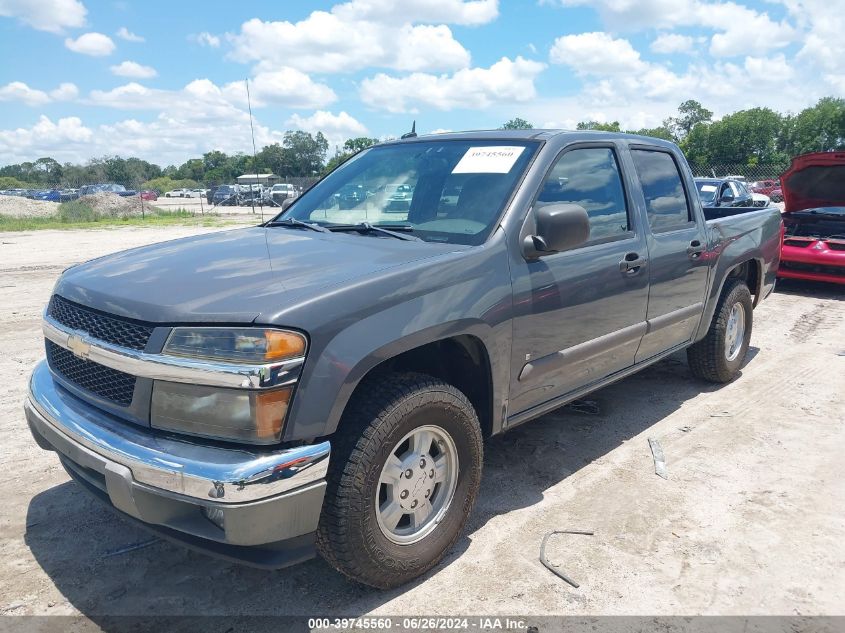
(590, 177)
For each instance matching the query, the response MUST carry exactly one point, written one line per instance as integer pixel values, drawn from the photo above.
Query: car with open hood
(814, 218)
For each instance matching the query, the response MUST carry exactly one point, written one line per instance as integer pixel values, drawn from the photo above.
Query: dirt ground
(751, 519)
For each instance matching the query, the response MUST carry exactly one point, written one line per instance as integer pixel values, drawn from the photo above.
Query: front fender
(466, 294)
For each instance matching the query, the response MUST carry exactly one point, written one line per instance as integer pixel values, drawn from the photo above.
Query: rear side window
(590, 177)
(665, 200)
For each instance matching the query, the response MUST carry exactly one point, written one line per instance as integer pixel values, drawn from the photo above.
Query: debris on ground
(588, 407)
(551, 566)
(20, 207)
(113, 205)
(685, 429)
(659, 459)
(722, 414)
(131, 548)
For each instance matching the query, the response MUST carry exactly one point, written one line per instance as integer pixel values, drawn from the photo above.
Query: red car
(814, 218)
(769, 188)
(149, 195)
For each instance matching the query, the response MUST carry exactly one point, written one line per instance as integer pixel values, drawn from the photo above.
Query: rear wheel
(403, 478)
(719, 355)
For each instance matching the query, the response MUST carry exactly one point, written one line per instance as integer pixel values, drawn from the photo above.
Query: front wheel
(719, 355)
(402, 481)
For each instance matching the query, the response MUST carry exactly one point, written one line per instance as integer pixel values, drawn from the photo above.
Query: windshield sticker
(488, 160)
(708, 188)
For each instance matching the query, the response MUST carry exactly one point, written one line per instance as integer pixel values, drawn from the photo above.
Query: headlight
(256, 417)
(246, 415)
(235, 345)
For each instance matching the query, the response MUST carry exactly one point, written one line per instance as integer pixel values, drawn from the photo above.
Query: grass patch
(78, 215)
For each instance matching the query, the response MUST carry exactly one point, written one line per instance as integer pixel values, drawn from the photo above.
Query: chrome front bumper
(264, 496)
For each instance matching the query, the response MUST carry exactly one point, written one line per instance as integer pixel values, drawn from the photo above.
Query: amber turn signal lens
(283, 345)
(271, 408)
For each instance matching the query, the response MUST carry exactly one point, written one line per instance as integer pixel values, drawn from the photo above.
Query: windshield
(707, 189)
(445, 191)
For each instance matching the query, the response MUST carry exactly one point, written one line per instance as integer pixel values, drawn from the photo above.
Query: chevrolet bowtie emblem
(78, 346)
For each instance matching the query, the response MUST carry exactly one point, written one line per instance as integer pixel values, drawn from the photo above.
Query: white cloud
(19, 91)
(46, 15)
(286, 87)
(343, 41)
(46, 138)
(65, 92)
(449, 11)
(134, 70)
(597, 53)
(283, 86)
(125, 34)
(191, 122)
(738, 28)
(94, 44)
(508, 81)
(335, 127)
(823, 43)
(206, 39)
(669, 43)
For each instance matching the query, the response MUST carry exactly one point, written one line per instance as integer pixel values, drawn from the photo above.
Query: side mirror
(286, 203)
(727, 196)
(560, 226)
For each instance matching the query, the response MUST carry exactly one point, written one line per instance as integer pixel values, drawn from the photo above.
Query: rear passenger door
(676, 242)
(580, 314)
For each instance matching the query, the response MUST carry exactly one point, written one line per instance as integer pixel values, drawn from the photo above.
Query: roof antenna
(254, 159)
(413, 132)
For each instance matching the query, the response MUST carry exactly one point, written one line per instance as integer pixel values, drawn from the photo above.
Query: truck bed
(713, 213)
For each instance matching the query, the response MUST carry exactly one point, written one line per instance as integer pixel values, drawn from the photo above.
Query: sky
(167, 81)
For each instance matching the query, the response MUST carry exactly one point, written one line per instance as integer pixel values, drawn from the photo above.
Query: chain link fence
(748, 173)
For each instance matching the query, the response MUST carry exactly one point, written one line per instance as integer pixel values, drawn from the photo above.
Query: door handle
(695, 249)
(632, 264)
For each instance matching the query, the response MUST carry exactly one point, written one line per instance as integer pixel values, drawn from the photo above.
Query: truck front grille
(111, 329)
(105, 382)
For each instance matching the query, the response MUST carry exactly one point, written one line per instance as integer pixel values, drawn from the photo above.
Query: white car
(760, 199)
(194, 193)
(177, 193)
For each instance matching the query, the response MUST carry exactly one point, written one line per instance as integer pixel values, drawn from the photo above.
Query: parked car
(282, 191)
(87, 190)
(719, 192)
(252, 194)
(69, 194)
(194, 193)
(319, 383)
(209, 194)
(350, 196)
(149, 194)
(227, 195)
(769, 188)
(814, 218)
(50, 195)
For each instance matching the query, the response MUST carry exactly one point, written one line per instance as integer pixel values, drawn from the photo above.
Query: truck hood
(232, 276)
(814, 181)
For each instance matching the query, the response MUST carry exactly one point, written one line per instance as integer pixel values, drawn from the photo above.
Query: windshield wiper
(366, 227)
(293, 222)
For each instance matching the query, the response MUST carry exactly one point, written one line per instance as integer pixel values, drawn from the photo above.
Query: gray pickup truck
(324, 382)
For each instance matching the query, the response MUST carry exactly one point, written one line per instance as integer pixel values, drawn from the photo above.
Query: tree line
(755, 137)
(751, 138)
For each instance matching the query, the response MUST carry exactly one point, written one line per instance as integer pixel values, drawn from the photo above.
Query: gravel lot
(750, 520)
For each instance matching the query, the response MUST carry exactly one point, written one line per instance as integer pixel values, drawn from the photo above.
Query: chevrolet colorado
(324, 381)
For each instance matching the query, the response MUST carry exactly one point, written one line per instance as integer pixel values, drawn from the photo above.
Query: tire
(713, 358)
(351, 535)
